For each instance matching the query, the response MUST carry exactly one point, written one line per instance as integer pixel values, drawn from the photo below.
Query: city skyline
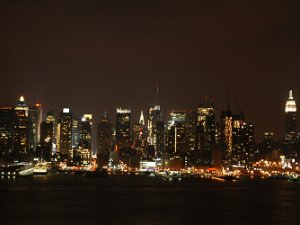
(111, 113)
(99, 55)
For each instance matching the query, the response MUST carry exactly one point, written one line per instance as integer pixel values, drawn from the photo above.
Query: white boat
(26, 170)
(40, 168)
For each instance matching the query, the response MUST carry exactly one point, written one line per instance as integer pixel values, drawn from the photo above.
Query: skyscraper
(86, 137)
(47, 136)
(65, 134)
(75, 132)
(290, 118)
(35, 120)
(123, 127)
(21, 144)
(104, 140)
(226, 134)
(6, 131)
(155, 115)
(139, 132)
(205, 132)
(177, 140)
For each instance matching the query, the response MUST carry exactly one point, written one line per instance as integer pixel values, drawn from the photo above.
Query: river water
(140, 200)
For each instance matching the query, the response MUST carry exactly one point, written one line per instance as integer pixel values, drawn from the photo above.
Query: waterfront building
(21, 128)
(104, 140)
(123, 128)
(6, 131)
(34, 122)
(65, 134)
(290, 119)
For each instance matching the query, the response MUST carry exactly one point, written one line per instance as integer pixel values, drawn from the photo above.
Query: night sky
(92, 55)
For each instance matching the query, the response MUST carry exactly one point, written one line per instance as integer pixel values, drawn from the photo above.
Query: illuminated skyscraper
(35, 120)
(155, 115)
(21, 144)
(205, 132)
(290, 118)
(82, 153)
(6, 131)
(65, 134)
(75, 132)
(226, 134)
(86, 132)
(104, 140)
(123, 127)
(177, 140)
(139, 133)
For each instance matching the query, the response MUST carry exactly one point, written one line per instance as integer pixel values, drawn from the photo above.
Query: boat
(225, 178)
(40, 168)
(14, 171)
(26, 170)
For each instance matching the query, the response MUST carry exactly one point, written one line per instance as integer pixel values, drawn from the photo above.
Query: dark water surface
(124, 200)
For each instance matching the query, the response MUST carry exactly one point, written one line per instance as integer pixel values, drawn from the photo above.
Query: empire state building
(290, 118)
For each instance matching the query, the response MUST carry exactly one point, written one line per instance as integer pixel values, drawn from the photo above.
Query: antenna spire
(156, 97)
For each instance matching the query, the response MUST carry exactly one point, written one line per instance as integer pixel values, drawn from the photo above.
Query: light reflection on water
(68, 199)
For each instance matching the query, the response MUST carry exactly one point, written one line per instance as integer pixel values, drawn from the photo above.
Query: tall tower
(290, 118)
(139, 133)
(155, 115)
(86, 132)
(104, 140)
(35, 120)
(226, 134)
(205, 132)
(47, 137)
(6, 131)
(65, 133)
(21, 144)
(123, 127)
(85, 142)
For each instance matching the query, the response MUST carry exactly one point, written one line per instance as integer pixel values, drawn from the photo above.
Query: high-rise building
(86, 132)
(139, 133)
(21, 143)
(47, 139)
(6, 131)
(226, 134)
(177, 141)
(35, 120)
(290, 118)
(51, 119)
(65, 134)
(191, 125)
(205, 132)
(75, 132)
(155, 115)
(123, 128)
(160, 126)
(104, 140)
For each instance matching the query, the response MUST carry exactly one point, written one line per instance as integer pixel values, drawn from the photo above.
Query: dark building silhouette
(123, 128)
(34, 122)
(205, 133)
(104, 140)
(6, 131)
(65, 123)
